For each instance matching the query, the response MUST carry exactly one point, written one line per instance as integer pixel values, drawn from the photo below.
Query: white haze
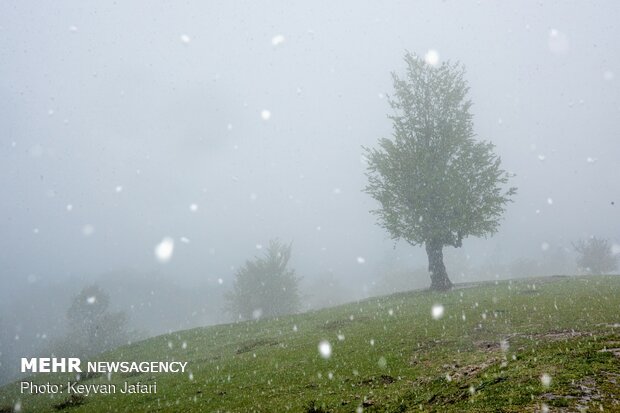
(213, 127)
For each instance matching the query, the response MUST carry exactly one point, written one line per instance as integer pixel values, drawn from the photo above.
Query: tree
(92, 328)
(595, 256)
(265, 286)
(435, 183)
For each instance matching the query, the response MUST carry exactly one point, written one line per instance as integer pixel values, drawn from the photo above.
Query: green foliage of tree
(265, 286)
(435, 183)
(595, 256)
(92, 327)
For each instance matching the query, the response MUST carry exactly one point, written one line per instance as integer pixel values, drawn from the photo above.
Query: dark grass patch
(490, 382)
(487, 345)
(383, 379)
(470, 370)
(313, 407)
(333, 325)
(72, 401)
(250, 345)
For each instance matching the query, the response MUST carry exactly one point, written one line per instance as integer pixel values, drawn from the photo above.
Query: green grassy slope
(486, 354)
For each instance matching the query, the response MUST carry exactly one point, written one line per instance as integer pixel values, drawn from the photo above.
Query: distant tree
(595, 256)
(265, 286)
(435, 183)
(92, 327)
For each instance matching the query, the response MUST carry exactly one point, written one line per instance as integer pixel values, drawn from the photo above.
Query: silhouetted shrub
(595, 256)
(92, 327)
(265, 286)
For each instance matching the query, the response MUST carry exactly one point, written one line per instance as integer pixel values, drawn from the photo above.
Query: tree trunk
(439, 276)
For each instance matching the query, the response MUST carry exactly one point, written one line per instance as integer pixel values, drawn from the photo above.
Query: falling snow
(164, 250)
(437, 311)
(277, 40)
(431, 57)
(325, 349)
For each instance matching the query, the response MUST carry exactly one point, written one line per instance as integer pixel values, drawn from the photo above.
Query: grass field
(547, 344)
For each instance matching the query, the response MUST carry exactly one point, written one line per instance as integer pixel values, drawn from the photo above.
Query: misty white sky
(131, 112)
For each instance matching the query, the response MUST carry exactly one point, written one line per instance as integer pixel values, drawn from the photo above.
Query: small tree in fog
(92, 327)
(595, 256)
(435, 183)
(265, 286)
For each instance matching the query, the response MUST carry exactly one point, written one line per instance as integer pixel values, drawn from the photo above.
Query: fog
(222, 125)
